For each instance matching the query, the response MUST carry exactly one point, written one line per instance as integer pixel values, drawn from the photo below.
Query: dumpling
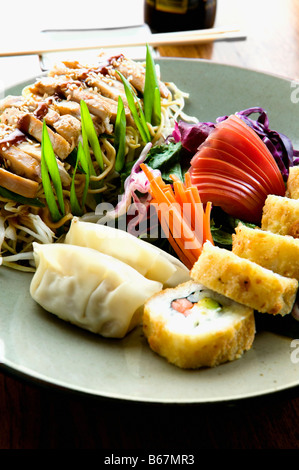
(147, 259)
(90, 289)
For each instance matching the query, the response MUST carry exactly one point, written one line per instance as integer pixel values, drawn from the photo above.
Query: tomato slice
(249, 142)
(225, 183)
(235, 170)
(218, 161)
(233, 200)
(238, 158)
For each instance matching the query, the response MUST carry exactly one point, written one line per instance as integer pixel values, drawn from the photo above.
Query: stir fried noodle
(55, 99)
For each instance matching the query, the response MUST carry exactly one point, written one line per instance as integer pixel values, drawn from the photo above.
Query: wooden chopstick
(40, 45)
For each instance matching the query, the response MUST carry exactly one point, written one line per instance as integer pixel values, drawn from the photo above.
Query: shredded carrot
(181, 215)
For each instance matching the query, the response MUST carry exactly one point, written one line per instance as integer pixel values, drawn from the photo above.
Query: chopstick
(154, 40)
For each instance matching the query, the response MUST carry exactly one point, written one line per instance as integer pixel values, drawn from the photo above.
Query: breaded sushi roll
(244, 281)
(292, 190)
(281, 215)
(280, 253)
(193, 327)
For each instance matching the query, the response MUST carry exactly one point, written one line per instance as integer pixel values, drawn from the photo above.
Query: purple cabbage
(280, 146)
(192, 135)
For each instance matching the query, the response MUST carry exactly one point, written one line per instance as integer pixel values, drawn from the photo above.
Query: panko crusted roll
(292, 190)
(244, 281)
(193, 327)
(89, 289)
(281, 215)
(279, 253)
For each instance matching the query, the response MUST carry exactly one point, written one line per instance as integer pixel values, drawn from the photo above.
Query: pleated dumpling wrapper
(90, 289)
(149, 260)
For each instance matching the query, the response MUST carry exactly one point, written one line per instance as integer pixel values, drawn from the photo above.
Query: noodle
(22, 224)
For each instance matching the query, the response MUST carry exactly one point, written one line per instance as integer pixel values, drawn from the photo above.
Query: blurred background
(263, 26)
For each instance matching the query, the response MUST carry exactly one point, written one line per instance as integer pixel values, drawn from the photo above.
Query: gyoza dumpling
(89, 289)
(149, 260)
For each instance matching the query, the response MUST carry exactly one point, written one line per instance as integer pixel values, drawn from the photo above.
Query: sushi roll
(192, 326)
(244, 281)
(279, 253)
(281, 215)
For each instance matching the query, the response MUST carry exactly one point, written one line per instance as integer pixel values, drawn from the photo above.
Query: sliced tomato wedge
(235, 170)
(219, 162)
(234, 200)
(240, 159)
(252, 144)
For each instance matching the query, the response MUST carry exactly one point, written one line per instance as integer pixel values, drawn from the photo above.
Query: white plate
(38, 346)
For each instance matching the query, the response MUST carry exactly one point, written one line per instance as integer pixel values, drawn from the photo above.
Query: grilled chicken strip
(67, 126)
(17, 184)
(34, 150)
(134, 72)
(104, 108)
(20, 162)
(29, 124)
(106, 86)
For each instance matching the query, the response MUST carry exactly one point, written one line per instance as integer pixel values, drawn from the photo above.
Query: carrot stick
(181, 215)
(207, 226)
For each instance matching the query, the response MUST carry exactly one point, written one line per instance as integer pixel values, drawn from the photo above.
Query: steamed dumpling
(90, 289)
(147, 259)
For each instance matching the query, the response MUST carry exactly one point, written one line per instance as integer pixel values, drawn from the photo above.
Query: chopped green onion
(157, 107)
(87, 150)
(50, 171)
(138, 115)
(151, 94)
(82, 160)
(120, 135)
(89, 135)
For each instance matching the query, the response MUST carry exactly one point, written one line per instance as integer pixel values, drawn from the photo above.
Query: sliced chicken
(11, 101)
(101, 107)
(34, 150)
(20, 162)
(73, 108)
(107, 86)
(67, 107)
(134, 72)
(104, 108)
(31, 125)
(47, 86)
(17, 184)
(67, 126)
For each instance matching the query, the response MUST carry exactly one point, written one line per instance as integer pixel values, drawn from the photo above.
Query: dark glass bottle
(179, 15)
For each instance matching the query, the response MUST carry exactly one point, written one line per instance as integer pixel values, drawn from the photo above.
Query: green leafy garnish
(90, 137)
(83, 162)
(50, 174)
(223, 226)
(166, 158)
(151, 94)
(120, 135)
(136, 110)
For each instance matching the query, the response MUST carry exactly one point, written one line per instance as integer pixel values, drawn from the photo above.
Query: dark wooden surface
(35, 417)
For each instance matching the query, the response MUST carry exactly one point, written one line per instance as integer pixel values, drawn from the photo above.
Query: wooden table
(33, 417)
